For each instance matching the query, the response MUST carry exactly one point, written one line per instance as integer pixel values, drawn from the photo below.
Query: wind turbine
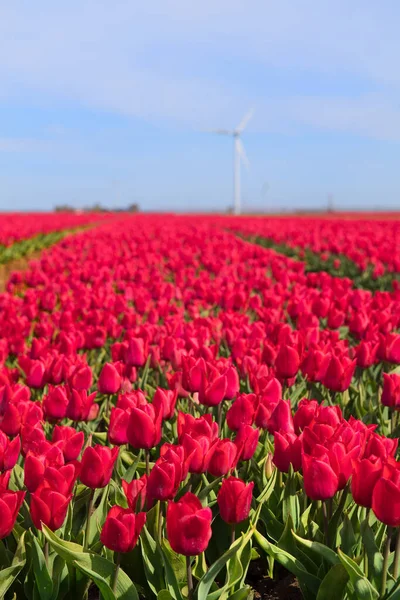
(238, 155)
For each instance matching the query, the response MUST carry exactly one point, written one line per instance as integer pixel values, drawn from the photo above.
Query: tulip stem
(160, 520)
(189, 577)
(233, 533)
(397, 556)
(116, 571)
(386, 560)
(89, 514)
(326, 522)
(219, 415)
(147, 455)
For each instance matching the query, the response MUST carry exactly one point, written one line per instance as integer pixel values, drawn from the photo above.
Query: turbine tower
(238, 156)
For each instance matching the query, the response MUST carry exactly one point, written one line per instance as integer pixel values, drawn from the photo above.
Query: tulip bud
(269, 466)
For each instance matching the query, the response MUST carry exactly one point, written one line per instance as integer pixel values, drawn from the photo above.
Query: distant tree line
(133, 208)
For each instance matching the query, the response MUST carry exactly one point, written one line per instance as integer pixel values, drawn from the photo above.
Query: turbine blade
(221, 131)
(244, 121)
(242, 153)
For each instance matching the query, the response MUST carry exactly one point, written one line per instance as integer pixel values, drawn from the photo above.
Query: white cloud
(136, 58)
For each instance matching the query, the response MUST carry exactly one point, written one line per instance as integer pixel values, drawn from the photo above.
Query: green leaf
(290, 562)
(152, 562)
(8, 575)
(170, 575)
(320, 550)
(105, 589)
(40, 570)
(164, 595)
(87, 562)
(209, 488)
(242, 594)
(363, 588)
(207, 580)
(375, 558)
(334, 584)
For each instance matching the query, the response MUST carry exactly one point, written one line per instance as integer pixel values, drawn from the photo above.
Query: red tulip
(246, 441)
(122, 528)
(320, 480)
(391, 390)
(165, 401)
(241, 412)
(49, 507)
(287, 451)
(118, 426)
(287, 362)
(97, 466)
(366, 473)
(234, 500)
(109, 380)
(55, 403)
(306, 411)
(9, 452)
(386, 497)
(10, 503)
(281, 418)
(144, 427)
(188, 525)
(339, 373)
(221, 457)
(135, 492)
(69, 440)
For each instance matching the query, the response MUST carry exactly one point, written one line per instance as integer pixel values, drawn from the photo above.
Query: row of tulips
(176, 402)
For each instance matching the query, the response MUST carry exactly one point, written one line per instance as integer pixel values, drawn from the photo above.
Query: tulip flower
(165, 401)
(118, 426)
(386, 497)
(246, 441)
(135, 492)
(81, 406)
(144, 427)
(287, 362)
(9, 452)
(69, 440)
(109, 380)
(234, 500)
(122, 528)
(320, 480)
(55, 403)
(10, 503)
(339, 373)
(188, 525)
(287, 451)
(365, 474)
(49, 507)
(391, 390)
(221, 457)
(281, 418)
(97, 466)
(241, 412)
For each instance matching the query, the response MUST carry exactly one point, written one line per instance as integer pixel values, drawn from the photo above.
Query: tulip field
(200, 407)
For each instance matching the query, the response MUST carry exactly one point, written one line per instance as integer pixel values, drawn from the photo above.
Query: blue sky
(113, 102)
